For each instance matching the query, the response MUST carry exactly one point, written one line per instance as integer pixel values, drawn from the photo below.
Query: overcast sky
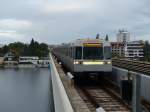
(56, 21)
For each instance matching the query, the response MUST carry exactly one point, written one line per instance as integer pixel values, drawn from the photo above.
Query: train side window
(67, 51)
(78, 52)
(107, 52)
(73, 52)
(70, 52)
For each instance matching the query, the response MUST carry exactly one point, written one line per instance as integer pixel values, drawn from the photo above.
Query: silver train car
(85, 55)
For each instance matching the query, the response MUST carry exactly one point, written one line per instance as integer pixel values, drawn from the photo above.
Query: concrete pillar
(136, 101)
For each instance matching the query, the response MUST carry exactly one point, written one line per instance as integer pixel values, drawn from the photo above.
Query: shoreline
(23, 66)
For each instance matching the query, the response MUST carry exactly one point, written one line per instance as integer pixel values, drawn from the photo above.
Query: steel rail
(102, 97)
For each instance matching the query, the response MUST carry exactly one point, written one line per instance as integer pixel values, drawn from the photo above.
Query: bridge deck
(77, 102)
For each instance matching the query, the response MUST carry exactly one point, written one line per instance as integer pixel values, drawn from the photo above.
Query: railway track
(100, 95)
(97, 95)
(138, 66)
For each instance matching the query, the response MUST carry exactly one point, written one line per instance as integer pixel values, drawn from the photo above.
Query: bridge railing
(61, 100)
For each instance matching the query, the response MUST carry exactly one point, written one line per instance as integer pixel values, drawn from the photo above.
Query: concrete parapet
(119, 74)
(76, 101)
(61, 100)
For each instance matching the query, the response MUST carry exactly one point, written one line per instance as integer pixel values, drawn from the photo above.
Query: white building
(28, 60)
(123, 36)
(33, 61)
(118, 49)
(1, 60)
(43, 63)
(10, 56)
(132, 49)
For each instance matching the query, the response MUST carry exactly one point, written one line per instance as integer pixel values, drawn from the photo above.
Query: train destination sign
(92, 44)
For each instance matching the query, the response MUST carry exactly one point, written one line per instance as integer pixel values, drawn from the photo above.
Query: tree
(21, 49)
(146, 51)
(44, 49)
(32, 42)
(32, 48)
(36, 49)
(5, 49)
(106, 38)
(26, 51)
(17, 47)
(97, 36)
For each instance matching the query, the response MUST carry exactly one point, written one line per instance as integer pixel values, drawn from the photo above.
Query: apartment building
(126, 48)
(132, 49)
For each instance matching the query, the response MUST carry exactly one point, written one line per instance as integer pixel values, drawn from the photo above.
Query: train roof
(80, 42)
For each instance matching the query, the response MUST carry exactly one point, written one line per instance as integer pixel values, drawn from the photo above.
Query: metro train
(85, 56)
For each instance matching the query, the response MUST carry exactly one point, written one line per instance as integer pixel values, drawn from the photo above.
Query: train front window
(78, 52)
(93, 53)
(107, 52)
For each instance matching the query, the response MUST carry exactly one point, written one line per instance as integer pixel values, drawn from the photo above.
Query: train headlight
(76, 62)
(93, 63)
(109, 62)
(101, 63)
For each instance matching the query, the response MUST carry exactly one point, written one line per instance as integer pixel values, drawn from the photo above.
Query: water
(25, 90)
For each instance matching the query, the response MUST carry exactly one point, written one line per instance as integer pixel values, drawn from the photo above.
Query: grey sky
(56, 21)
